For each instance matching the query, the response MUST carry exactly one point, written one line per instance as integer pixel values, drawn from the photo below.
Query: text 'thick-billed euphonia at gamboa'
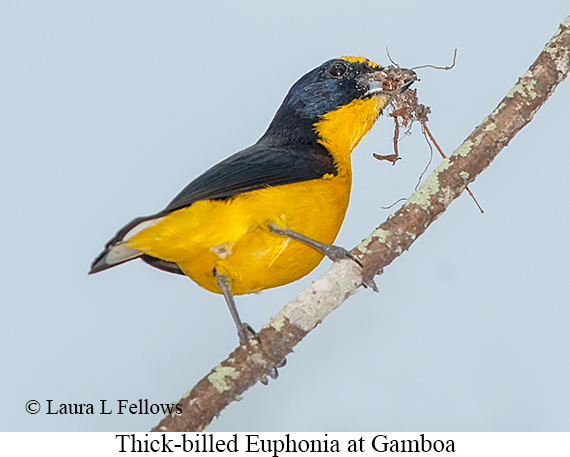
(266, 215)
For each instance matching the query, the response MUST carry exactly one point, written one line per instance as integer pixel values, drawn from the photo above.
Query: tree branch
(252, 362)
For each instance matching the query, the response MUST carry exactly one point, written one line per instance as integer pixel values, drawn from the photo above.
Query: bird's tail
(116, 250)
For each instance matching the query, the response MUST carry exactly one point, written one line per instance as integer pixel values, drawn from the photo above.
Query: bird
(267, 215)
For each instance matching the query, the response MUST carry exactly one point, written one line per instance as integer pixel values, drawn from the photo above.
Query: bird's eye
(337, 69)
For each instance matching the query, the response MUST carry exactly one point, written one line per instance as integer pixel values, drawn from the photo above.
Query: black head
(333, 84)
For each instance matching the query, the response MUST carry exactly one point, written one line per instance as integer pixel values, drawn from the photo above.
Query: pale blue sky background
(109, 108)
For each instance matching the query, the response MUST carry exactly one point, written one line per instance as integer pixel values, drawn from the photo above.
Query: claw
(273, 373)
(368, 281)
(356, 259)
(264, 381)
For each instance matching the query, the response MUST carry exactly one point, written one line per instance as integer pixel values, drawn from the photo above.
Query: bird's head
(335, 104)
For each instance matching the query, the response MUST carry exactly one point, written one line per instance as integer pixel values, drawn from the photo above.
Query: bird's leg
(244, 330)
(330, 250)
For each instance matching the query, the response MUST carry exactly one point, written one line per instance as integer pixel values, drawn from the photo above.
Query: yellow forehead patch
(361, 59)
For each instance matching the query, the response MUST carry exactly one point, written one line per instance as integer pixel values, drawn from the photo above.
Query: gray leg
(242, 329)
(330, 250)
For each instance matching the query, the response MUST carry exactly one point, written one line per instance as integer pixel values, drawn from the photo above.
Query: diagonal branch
(252, 362)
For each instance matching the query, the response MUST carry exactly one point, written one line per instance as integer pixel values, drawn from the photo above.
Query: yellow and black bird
(267, 215)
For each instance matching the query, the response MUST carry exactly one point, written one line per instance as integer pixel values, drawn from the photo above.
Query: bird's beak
(375, 87)
(386, 82)
(407, 85)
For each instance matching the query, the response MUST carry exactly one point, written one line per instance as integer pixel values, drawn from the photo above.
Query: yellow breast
(232, 237)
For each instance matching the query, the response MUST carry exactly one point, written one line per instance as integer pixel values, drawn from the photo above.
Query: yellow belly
(231, 236)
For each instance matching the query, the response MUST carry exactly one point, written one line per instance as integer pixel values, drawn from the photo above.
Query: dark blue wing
(259, 166)
(254, 168)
